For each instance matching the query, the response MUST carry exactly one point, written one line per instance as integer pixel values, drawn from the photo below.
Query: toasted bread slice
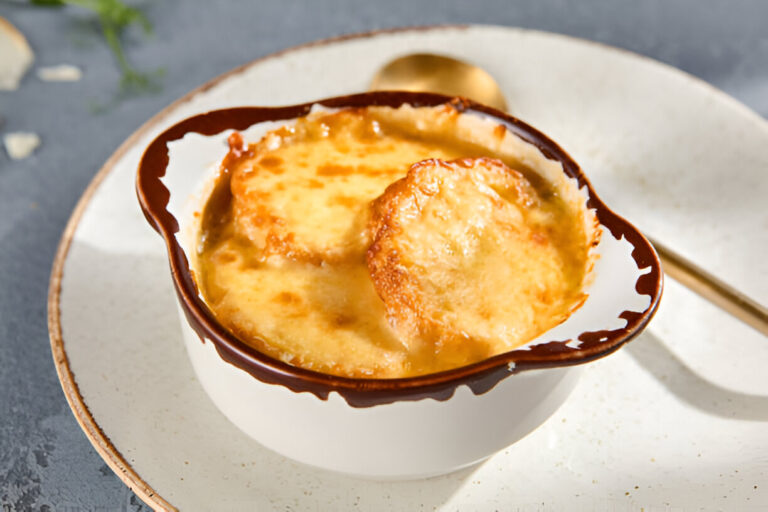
(470, 260)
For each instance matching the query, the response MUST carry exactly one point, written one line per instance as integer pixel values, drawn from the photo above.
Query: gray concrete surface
(46, 462)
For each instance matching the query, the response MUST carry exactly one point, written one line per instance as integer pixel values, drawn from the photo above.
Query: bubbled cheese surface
(301, 259)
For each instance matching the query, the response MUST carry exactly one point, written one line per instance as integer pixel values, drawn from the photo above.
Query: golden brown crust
(302, 192)
(400, 268)
(440, 231)
(399, 282)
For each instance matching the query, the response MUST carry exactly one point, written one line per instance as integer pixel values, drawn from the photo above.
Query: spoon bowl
(424, 72)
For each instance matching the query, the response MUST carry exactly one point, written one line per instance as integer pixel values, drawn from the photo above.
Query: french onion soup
(385, 243)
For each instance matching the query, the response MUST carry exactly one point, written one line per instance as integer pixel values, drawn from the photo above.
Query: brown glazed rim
(481, 376)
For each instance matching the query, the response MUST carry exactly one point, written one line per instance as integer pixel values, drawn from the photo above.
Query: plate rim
(97, 437)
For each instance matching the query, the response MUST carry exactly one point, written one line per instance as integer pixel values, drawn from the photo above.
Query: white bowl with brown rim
(399, 427)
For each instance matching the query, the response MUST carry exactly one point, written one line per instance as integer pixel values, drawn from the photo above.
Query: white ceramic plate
(676, 419)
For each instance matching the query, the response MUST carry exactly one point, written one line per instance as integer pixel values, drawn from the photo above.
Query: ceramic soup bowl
(388, 428)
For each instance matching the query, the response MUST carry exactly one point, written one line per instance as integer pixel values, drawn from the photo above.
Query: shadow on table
(692, 388)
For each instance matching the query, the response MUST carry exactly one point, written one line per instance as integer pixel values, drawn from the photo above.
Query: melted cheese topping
(285, 233)
(470, 262)
(305, 191)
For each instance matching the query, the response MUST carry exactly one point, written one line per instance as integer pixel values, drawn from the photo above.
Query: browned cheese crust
(302, 192)
(466, 255)
(324, 245)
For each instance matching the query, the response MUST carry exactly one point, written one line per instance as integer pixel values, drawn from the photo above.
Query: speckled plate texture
(677, 420)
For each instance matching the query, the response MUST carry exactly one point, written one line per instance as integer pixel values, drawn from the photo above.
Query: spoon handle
(709, 287)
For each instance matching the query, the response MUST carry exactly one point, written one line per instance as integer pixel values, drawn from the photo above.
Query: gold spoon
(435, 73)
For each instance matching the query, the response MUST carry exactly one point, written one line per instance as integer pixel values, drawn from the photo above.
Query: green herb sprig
(115, 17)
